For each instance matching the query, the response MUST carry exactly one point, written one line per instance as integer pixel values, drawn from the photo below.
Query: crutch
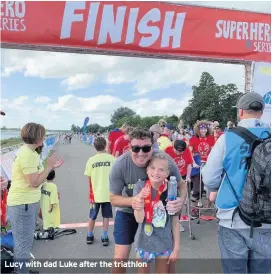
(191, 235)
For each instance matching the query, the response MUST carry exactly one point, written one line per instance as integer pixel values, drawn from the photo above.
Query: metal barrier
(7, 157)
(11, 148)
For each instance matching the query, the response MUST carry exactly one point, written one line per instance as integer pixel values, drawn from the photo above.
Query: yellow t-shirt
(163, 143)
(98, 168)
(26, 162)
(50, 197)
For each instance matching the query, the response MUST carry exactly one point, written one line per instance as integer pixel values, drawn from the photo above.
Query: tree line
(210, 101)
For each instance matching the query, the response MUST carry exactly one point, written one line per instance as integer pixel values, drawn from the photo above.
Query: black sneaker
(90, 240)
(105, 241)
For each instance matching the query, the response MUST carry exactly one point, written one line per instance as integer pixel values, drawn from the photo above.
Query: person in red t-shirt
(203, 141)
(183, 158)
(200, 144)
(122, 143)
(114, 135)
(217, 133)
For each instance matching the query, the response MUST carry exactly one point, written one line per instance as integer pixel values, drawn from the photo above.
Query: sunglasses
(217, 127)
(145, 149)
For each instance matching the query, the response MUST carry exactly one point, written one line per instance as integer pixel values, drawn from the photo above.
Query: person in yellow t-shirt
(28, 174)
(98, 169)
(164, 140)
(50, 203)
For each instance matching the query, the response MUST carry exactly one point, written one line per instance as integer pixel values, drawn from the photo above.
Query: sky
(61, 89)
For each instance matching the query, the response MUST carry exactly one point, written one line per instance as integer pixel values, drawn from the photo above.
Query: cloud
(145, 75)
(78, 81)
(19, 101)
(42, 100)
(70, 109)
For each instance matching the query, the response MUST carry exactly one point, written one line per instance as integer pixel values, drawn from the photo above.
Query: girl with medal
(158, 236)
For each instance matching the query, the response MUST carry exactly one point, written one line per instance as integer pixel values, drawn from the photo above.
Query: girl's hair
(31, 133)
(203, 122)
(160, 156)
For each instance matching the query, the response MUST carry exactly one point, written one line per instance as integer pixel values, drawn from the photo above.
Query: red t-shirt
(113, 136)
(120, 145)
(202, 146)
(182, 160)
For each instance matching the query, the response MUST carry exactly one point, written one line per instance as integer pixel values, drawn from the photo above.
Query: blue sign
(267, 98)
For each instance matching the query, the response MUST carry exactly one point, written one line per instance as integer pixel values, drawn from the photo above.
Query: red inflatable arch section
(152, 29)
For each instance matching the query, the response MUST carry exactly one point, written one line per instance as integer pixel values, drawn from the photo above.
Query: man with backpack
(239, 168)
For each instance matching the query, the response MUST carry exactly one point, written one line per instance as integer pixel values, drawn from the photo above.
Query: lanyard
(91, 196)
(149, 204)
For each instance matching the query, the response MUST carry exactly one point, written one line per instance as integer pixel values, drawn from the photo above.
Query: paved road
(73, 188)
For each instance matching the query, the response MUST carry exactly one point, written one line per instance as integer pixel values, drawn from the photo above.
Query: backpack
(255, 206)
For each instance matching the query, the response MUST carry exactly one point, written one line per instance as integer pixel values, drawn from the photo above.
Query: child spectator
(50, 209)
(98, 169)
(158, 233)
(182, 156)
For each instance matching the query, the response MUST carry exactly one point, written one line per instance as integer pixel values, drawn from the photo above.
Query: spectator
(28, 175)
(164, 141)
(217, 132)
(114, 135)
(125, 173)
(182, 156)
(230, 125)
(162, 124)
(239, 252)
(200, 146)
(122, 143)
(97, 169)
(50, 209)
(156, 132)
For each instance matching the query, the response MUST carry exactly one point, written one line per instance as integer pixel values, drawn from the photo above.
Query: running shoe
(195, 213)
(182, 229)
(105, 241)
(90, 240)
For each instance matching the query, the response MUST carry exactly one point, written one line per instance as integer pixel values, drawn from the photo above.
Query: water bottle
(172, 190)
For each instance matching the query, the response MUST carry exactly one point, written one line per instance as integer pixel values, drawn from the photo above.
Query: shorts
(148, 256)
(106, 210)
(125, 228)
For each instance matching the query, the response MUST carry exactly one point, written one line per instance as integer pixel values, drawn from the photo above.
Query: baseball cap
(179, 145)
(169, 126)
(248, 101)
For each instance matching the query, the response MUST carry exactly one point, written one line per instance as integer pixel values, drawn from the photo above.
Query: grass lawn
(10, 142)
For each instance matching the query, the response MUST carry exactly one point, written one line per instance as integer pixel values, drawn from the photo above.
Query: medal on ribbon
(149, 206)
(148, 229)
